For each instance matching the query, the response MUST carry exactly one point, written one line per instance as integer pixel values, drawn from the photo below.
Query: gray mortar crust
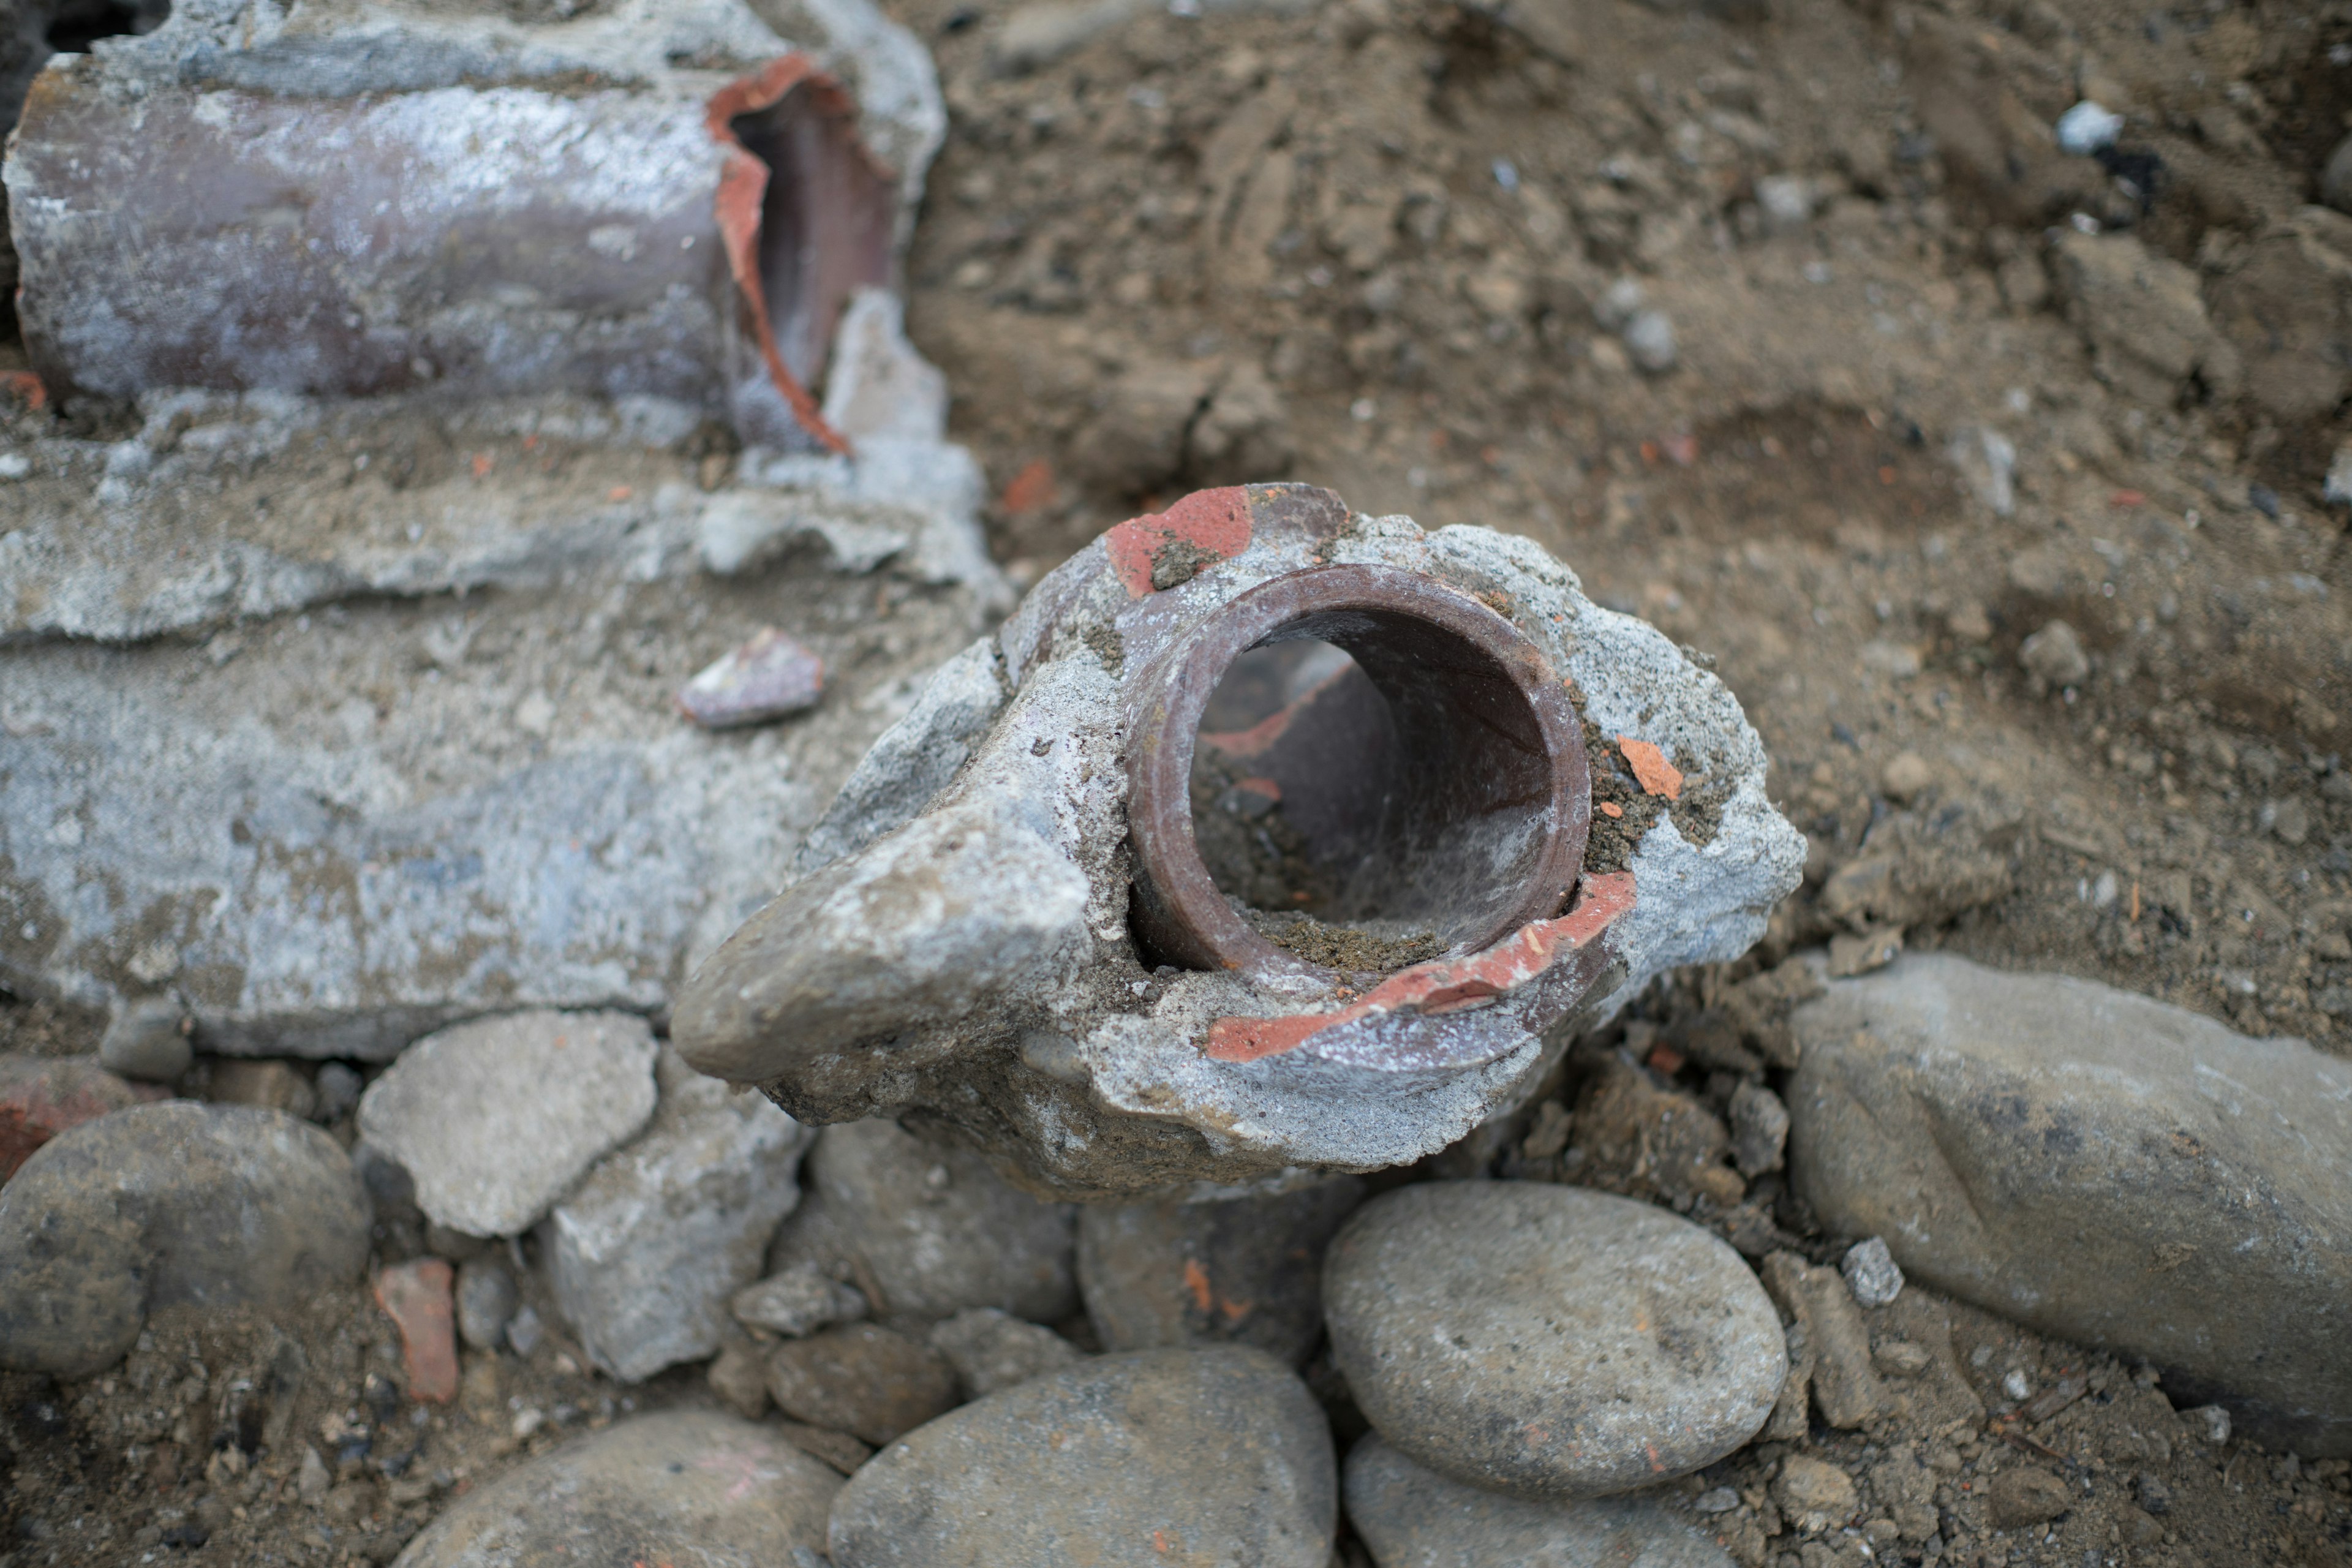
(962, 958)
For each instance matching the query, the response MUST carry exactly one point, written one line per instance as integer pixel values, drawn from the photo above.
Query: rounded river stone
(1146, 1458)
(1412, 1517)
(163, 1205)
(1549, 1342)
(686, 1488)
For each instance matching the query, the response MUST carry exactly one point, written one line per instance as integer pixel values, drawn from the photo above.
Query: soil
(1372, 245)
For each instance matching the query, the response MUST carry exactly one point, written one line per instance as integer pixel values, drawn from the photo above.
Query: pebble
(838, 1449)
(525, 1332)
(158, 1205)
(869, 1381)
(1549, 1342)
(685, 1486)
(2055, 656)
(1649, 341)
(487, 1298)
(1845, 1382)
(1871, 1272)
(339, 1087)
(1412, 1517)
(275, 1084)
(2127, 1143)
(928, 1230)
(2027, 1494)
(797, 1302)
(1218, 1455)
(990, 1350)
(42, 1097)
(1759, 1129)
(415, 1296)
(767, 677)
(739, 1375)
(1247, 1270)
(1906, 777)
(1814, 1494)
(495, 1118)
(645, 1254)
(2087, 128)
(148, 1040)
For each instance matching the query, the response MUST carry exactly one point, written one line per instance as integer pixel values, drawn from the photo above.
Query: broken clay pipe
(1006, 922)
(685, 236)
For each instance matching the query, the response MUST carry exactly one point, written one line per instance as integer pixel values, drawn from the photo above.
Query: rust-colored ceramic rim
(1508, 769)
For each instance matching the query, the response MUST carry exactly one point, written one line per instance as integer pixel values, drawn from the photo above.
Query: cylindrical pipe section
(488, 240)
(1479, 827)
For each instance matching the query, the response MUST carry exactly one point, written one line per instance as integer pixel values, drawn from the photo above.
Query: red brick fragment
(1651, 770)
(417, 1298)
(1205, 527)
(40, 1098)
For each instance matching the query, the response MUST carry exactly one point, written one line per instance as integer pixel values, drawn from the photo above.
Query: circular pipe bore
(1482, 825)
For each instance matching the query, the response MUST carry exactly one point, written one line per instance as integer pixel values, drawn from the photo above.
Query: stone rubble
(925, 1230)
(495, 1120)
(40, 1098)
(797, 1301)
(989, 931)
(646, 1253)
(992, 1350)
(1240, 1270)
(487, 1300)
(1549, 1342)
(148, 1040)
(863, 1379)
(679, 1487)
(2140, 1164)
(1413, 1516)
(1169, 1455)
(160, 1205)
(416, 1297)
(768, 677)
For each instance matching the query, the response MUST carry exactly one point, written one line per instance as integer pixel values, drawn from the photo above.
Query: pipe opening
(1383, 777)
(77, 23)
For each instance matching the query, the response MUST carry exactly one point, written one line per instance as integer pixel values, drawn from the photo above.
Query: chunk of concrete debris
(495, 1120)
(645, 1254)
(736, 1491)
(769, 677)
(1201, 1049)
(160, 1205)
(2110, 1197)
